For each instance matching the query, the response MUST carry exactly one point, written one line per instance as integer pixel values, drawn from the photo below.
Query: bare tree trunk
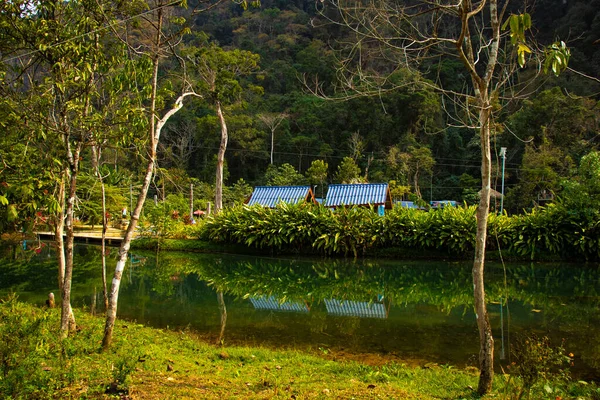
(59, 230)
(104, 228)
(220, 160)
(67, 321)
(223, 312)
(486, 340)
(96, 156)
(272, 144)
(416, 184)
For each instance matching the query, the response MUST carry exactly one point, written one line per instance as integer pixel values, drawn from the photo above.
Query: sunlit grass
(146, 363)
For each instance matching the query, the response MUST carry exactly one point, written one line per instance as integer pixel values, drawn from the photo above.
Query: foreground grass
(146, 363)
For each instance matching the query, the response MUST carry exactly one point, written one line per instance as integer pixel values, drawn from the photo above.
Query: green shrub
(549, 231)
(23, 350)
(542, 370)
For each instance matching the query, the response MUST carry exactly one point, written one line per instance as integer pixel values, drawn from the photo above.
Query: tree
(348, 171)
(317, 174)
(542, 170)
(156, 115)
(57, 85)
(285, 175)
(272, 121)
(419, 161)
(219, 72)
(390, 35)
(582, 192)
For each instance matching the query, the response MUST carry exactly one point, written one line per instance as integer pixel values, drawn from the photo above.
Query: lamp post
(503, 155)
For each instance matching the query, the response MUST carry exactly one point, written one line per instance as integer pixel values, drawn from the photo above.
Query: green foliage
(551, 230)
(23, 349)
(518, 25)
(348, 171)
(284, 175)
(166, 218)
(350, 230)
(317, 172)
(541, 368)
(557, 58)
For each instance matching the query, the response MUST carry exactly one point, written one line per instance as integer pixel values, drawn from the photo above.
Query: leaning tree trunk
(155, 130)
(220, 160)
(486, 340)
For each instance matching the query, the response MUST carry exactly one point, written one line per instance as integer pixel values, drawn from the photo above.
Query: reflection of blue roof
(356, 308)
(357, 194)
(269, 196)
(271, 303)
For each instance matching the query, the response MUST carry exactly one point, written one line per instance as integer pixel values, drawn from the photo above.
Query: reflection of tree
(567, 297)
(223, 312)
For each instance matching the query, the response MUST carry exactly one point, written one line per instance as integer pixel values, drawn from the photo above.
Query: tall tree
(59, 58)
(220, 72)
(390, 36)
(156, 114)
(272, 121)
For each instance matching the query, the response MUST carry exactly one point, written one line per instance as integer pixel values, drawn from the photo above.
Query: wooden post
(50, 302)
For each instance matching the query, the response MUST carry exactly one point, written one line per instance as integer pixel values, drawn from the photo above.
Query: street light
(503, 155)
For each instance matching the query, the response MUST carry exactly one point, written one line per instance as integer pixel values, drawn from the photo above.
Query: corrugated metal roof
(269, 196)
(356, 309)
(356, 194)
(273, 304)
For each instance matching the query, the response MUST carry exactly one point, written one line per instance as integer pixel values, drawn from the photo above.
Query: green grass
(147, 363)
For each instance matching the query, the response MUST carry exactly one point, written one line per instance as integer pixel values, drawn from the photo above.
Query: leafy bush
(541, 368)
(22, 352)
(551, 230)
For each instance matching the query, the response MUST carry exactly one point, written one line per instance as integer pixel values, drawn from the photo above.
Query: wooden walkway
(114, 236)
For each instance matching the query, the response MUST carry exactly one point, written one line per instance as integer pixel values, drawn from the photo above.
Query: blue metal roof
(273, 304)
(269, 196)
(356, 194)
(356, 308)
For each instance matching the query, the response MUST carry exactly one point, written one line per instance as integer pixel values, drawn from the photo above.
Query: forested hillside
(289, 120)
(398, 134)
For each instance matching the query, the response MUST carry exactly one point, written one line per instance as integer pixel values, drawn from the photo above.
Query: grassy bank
(146, 363)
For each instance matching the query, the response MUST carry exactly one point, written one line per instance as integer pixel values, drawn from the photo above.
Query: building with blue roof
(270, 196)
(360, 194)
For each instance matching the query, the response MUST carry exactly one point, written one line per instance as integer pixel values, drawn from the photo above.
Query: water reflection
(273, 304)
(403, 310)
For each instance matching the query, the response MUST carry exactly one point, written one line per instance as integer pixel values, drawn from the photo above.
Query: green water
(418, 312)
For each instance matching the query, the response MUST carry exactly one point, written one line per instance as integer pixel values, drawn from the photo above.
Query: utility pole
(191, 201)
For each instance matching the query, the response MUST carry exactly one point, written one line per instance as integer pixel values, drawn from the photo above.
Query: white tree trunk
(220, 160)
(223, 312)
(67, 321)
(96, 156)
(156, 128)
(59, 230)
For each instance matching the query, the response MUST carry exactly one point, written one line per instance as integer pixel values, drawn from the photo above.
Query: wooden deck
(114, 236)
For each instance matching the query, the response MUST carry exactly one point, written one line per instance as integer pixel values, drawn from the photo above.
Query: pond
(383, 310)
